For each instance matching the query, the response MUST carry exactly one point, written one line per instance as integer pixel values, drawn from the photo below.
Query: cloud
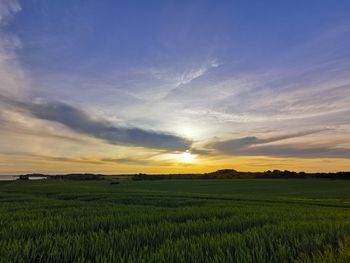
(253, 146)
(130, 161)
(12, 76)
(297, 151)
(200, 151)
(190, 75)
(14, 128)
(8, 8)
(81, 122)
(252, 140)
(52, 158)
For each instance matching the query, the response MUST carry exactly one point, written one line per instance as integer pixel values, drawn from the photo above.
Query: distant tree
(23, 177)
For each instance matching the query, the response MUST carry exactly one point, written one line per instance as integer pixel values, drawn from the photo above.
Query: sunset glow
(112, 87)
(187, 157)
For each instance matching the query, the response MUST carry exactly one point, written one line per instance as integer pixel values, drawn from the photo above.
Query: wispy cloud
(8, 8)
(130, 161)
(253, 146)
(81, 122)
(252, 140)
(12, 75)
(189, 75)
(59, 159)
(14, 128)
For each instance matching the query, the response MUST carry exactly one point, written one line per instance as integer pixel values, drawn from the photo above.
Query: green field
(175, 221)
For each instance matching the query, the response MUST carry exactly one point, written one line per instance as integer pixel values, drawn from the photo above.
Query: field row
(142, 225)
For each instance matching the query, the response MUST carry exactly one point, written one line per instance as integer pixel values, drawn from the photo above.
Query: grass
(175, 221)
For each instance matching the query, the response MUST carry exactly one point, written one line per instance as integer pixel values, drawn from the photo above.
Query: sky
(174, 86)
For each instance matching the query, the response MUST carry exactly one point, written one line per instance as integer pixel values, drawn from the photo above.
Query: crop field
(262, 220)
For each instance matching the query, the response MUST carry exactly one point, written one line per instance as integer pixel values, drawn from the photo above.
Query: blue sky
(250, 84)
(95, 36)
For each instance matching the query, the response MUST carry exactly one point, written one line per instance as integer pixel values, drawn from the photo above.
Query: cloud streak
(253, 146)
(12, 76)
(190, 75)
(53, 158)
(81, 122)
(8, 8)
(128, 161)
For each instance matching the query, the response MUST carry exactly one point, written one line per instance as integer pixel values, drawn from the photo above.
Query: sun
(186, 157)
